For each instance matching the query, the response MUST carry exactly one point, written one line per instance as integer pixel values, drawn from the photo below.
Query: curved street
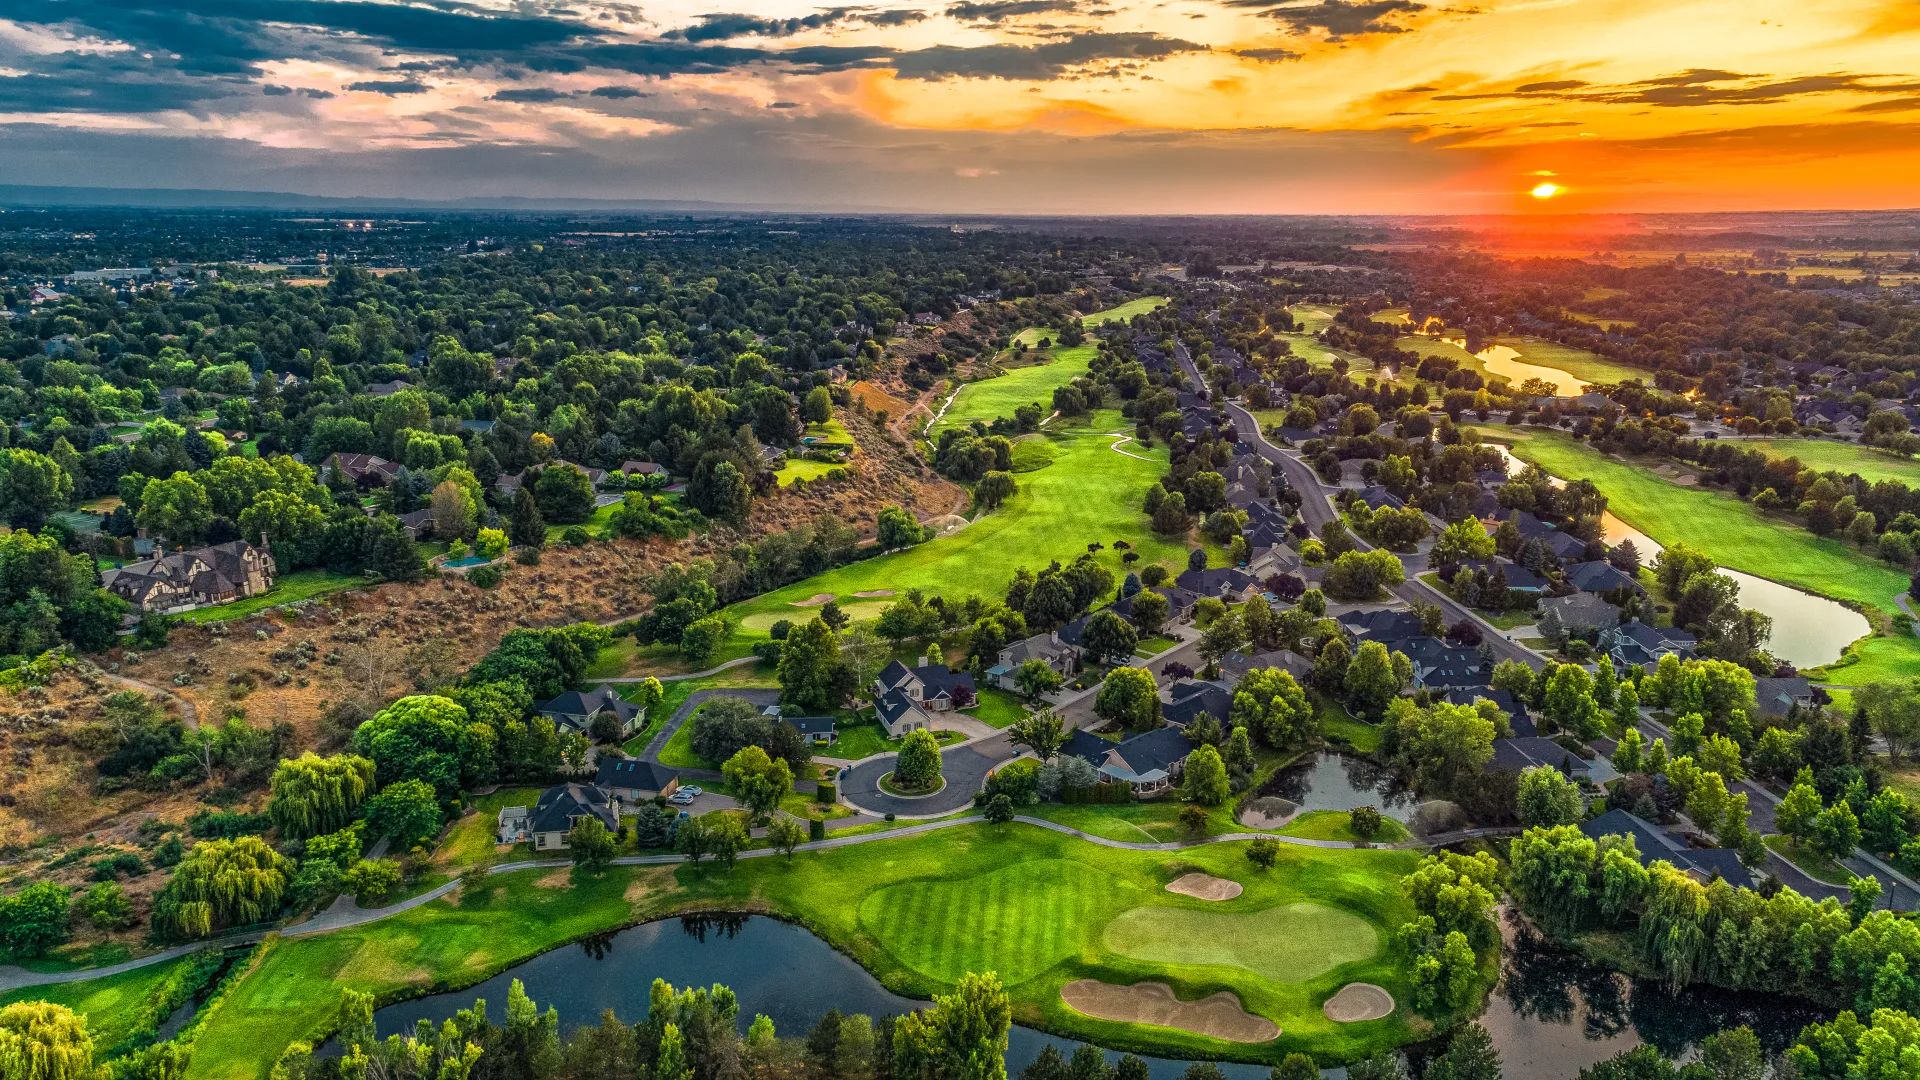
(964, 766)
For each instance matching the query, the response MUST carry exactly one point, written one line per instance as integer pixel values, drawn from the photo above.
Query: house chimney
(925, 660)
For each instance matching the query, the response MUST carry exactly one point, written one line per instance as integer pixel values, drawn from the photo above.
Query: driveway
(965, 767)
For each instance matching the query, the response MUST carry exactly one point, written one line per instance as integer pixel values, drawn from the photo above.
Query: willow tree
(313, 795)
(222, 883)
(43, 1041)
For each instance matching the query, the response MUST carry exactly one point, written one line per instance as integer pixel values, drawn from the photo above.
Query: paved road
(677, 678)
(964, 766)
(760, 697)
(1316, 510)
(345, 913)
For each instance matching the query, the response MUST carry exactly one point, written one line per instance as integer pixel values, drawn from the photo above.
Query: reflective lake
(1552, 1014)
(1808, 630)
(1504, 360)
(1337, 782)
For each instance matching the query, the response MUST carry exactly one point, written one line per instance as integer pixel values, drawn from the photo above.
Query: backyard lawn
(470, 841)
(857, 739)
(997, 707)
(287, 588)
(799, 468)
(1040, 908)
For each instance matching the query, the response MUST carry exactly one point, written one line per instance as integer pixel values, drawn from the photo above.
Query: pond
(1552, 1014)
(1504, 361)
(1327, 781)
(1808, 630)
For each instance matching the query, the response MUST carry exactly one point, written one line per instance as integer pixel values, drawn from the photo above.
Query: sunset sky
(1082, 106)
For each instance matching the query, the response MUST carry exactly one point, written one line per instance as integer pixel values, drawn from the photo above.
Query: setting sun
(1546, 191)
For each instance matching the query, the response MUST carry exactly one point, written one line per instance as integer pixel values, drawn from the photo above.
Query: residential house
(1778, 697)
(1637, 643)
(1565, 546)
(1235, 665)
(1382, 624)
(1150, 763)
(1599, 576)
(1437, 664)
(1377, 498)
(815, 730)
(1582, 611)
(184, 580)
(1522, 753)
(931, 686)
(418, 524)
(1231, 584)
(633, 781)
(1179, 604)
(900, 714)
(1190, 699)
(576, 710)
(387, 389)
(1046, 648)
(478, 427)
(561, 807)
(642, 468)
(361, 470)
(1522, 724)
(1519, 578)
(1652, 842)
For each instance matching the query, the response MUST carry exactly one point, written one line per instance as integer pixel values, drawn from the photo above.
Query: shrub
(371, 882)
(1365, 822)
(826, 793)
(576, 536)
(484, 577)
(816, 829)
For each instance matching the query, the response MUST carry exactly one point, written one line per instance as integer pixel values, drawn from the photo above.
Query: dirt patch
(820, 599)
(1267, 813)
(874, 592)
(946, 523)
(1358, 1001)
(559, 879)
(1220, 1015)
(636, 890)
(1204, 887)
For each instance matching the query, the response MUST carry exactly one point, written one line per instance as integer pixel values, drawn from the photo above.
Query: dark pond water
(1553, 1014)
(1337, 782)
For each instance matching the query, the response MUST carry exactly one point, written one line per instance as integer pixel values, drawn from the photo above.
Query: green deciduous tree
(408, 811)
(590, 843)
(1548, 798)
(33, 920)
(811, 673)
(759, 782)
(1129, 698)
(918, 765)
(221, 883)
(1204, 782)
(963, 1037)
(176, 509)
(1370, 680)
(40, 1040)
(313, 795)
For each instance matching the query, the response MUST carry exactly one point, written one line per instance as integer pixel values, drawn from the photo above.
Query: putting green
(1290, 943)
(1017, 922)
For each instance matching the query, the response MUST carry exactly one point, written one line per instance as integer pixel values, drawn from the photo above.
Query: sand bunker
(1218, 1015)
(819, 599)
(1204, 887)
(875, 592)
(1356, 1002)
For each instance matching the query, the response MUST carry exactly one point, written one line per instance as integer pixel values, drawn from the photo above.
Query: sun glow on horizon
(1547, 191)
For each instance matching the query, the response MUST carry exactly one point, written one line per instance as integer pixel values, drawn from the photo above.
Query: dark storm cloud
(996, 10)
(616, 92)
(389, 87)
(531, 96)
(719, 27)
(1339, 18)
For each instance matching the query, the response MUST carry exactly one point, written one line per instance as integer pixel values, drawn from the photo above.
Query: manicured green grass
(597, 524)
(1873, 660)
(1313, 318)
(1288, 943)
(1032, 454)
(997, 707)
(863, 739)
(1338, 825)
(112, 1005)
(799, 468)
(1824, 454)
(1017, 921)
(1091, 493)
(1581, 364)
(287, 588)
(1728, 529)
(1155, 821)
(471, 840)
(831, 433)
(1044, 890)
(1504, 620)
(1000, 396)
(678, 753)
(1125, 311)
(1153, 646)
(1337, 722)
(1812, 863)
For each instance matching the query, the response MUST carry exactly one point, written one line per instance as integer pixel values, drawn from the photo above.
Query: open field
(916, 911)
(1089, 493)
(1738, 536)
(1000, 396)
(1125, 311)
(287, 588)
(1824, 454)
